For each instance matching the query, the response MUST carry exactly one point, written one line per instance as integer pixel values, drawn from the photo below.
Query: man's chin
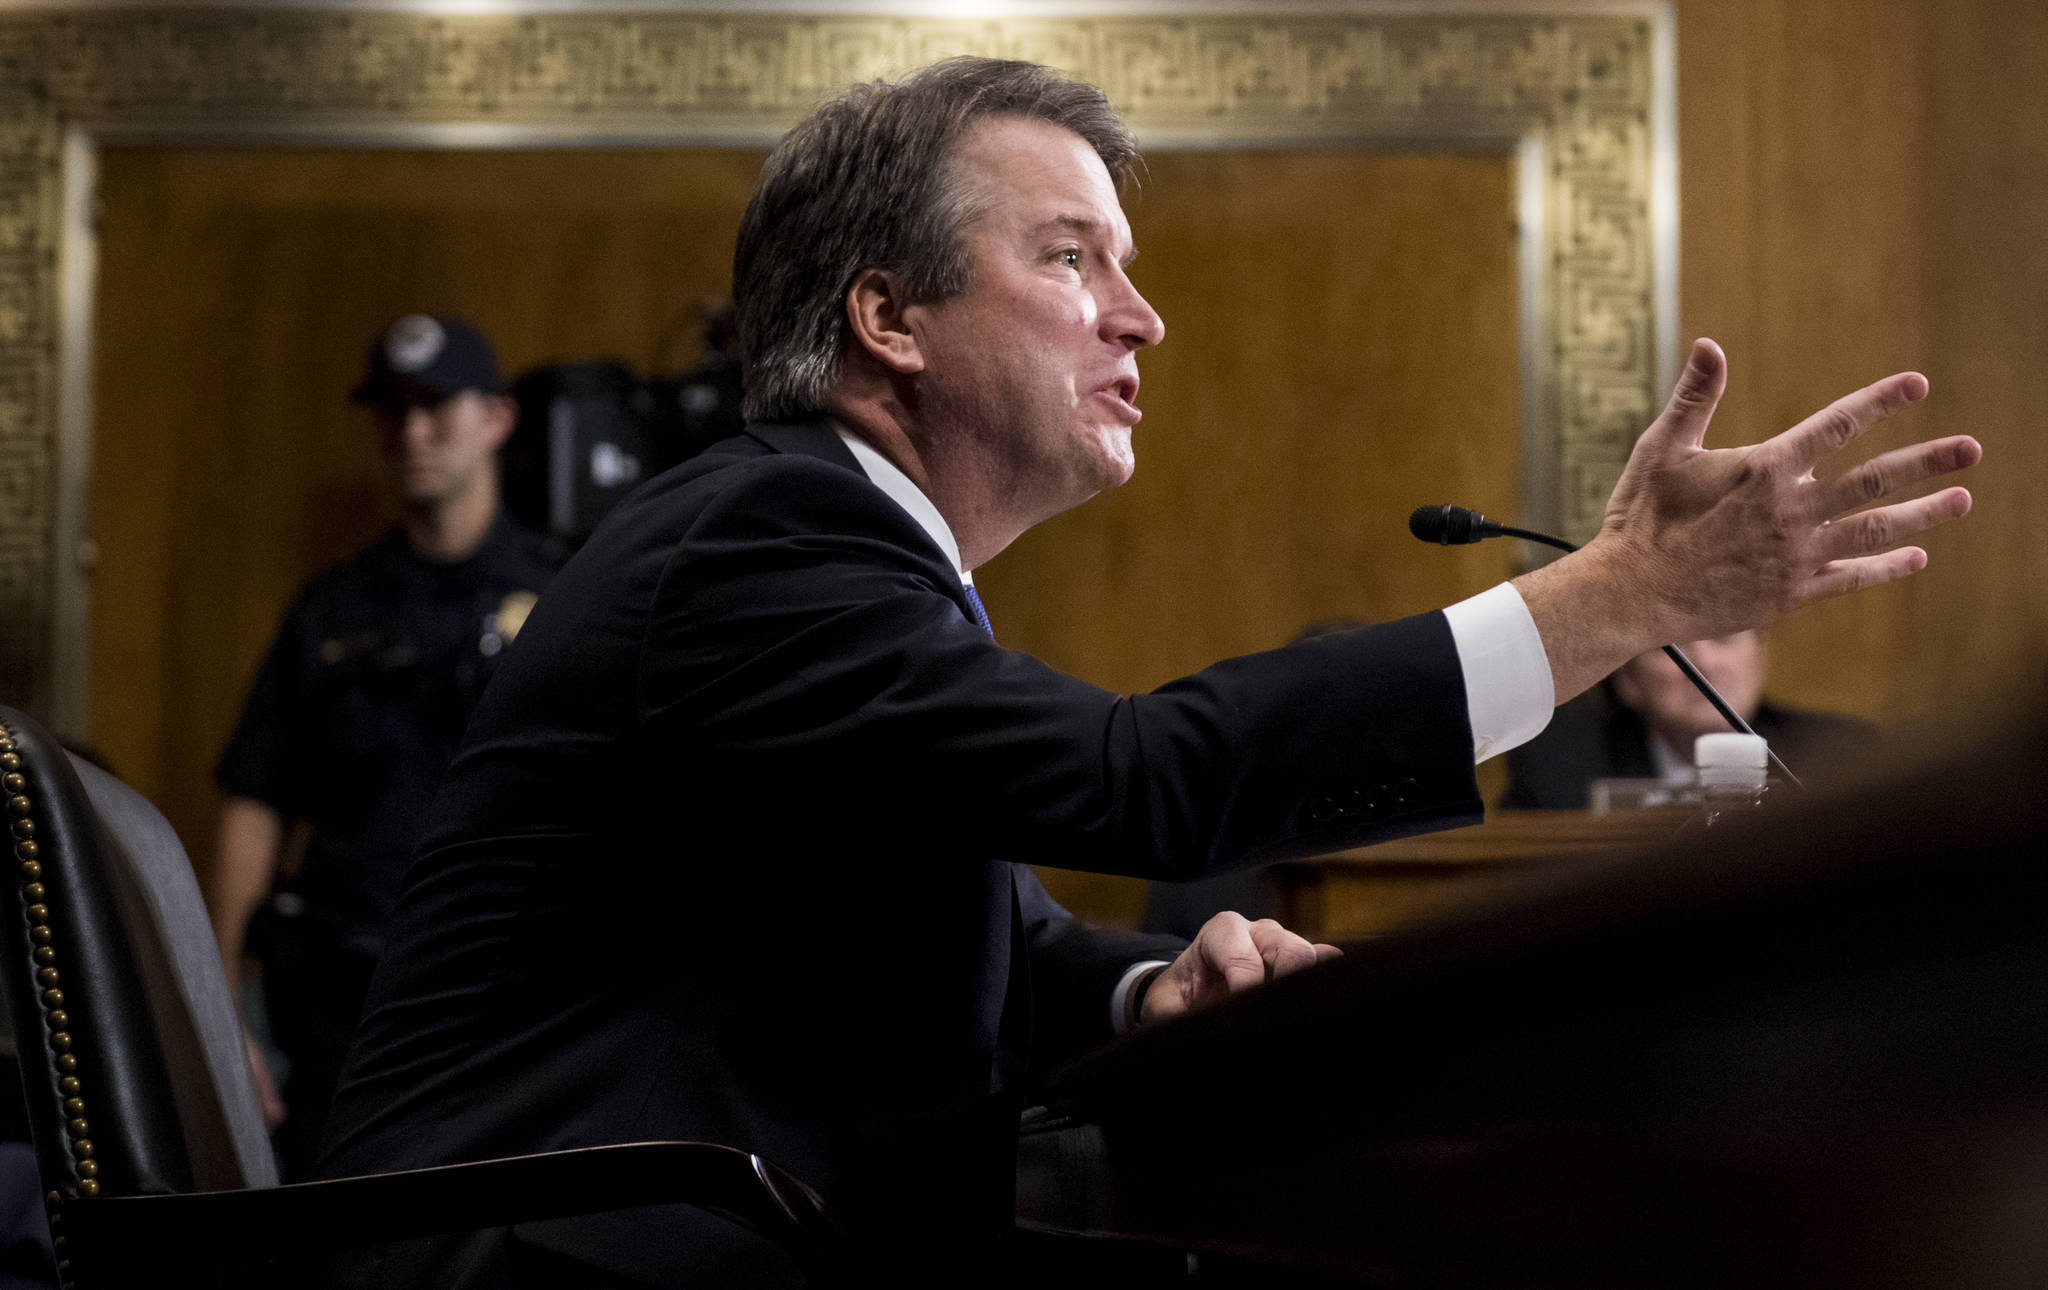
(1119, 462)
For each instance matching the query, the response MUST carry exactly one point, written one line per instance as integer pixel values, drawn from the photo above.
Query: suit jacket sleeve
(812, 632)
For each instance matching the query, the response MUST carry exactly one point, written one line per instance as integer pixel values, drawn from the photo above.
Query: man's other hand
(1230, 953)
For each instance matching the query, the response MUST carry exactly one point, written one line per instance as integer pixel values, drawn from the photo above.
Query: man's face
(1674, 708)
(438, 451)
(1035, 365)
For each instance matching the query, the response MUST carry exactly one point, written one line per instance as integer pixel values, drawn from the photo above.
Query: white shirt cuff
(1508, 693)
(1120, 1018)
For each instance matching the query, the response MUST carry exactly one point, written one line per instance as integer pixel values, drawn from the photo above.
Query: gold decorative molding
(1577, 86)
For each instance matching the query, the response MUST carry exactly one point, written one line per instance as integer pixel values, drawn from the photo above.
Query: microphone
(1449, 525)
(1456, 526)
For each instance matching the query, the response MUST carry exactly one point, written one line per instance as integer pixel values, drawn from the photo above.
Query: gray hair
(863, 183)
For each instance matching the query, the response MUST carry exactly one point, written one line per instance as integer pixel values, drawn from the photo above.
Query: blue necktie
(980, 614)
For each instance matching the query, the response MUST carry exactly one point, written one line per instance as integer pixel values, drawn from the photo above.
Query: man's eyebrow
(1084, 226)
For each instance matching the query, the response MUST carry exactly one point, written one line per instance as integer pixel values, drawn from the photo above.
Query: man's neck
(959, 489)
(451, 529)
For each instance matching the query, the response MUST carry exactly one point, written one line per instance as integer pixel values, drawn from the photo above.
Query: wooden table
(1369, 890)
(1366, 891)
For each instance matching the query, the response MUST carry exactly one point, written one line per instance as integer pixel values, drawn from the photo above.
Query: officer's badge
(512, 612)
(502, 626)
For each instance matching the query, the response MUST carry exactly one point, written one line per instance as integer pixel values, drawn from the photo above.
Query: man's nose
(1130, 318)
(418, 427)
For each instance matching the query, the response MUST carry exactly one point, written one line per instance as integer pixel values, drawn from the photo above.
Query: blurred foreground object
(1803, 1051)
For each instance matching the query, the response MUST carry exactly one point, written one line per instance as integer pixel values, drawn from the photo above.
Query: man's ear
(501, 414)
(875, 311)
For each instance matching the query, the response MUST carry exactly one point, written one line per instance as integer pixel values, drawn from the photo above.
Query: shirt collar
(883, 474)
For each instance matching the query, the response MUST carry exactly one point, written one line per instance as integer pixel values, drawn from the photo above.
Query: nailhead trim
(35, 897)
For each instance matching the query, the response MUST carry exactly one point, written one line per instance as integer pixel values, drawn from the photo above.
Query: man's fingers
(1841, 577)
(1843, 420)
(1882, 528)
(1229, 954)
(1281, 950)
(1888, 472)
(1695, 396)
(1230, 951)
(1240, 968)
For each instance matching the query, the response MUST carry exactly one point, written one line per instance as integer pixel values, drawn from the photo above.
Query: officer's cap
(425, 358)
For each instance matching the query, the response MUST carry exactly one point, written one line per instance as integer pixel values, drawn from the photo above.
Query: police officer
(358, 708)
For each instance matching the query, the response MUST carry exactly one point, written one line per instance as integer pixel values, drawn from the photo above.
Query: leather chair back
(131, 1049)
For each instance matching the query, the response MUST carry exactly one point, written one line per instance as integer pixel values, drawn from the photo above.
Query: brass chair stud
(37, 910)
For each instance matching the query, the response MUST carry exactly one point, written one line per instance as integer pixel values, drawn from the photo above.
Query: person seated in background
(1642, 723)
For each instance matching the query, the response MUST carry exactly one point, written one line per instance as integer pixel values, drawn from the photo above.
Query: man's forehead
(1040, 175)
(1033, 156)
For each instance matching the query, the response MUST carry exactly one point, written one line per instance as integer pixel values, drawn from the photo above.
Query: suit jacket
(1595, 737)
(734, 851)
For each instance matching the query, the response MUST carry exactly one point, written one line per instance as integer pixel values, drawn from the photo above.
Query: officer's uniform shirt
(361, 702)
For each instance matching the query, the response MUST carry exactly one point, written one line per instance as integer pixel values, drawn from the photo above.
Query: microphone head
(1446, 525)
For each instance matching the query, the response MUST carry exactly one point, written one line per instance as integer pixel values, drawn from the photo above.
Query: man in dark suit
(734, 848)
(1642, 722)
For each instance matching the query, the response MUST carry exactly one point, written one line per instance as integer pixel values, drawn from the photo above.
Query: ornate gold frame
(1581, 94)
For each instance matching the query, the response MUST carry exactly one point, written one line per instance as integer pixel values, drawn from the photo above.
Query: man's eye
(1070, 258)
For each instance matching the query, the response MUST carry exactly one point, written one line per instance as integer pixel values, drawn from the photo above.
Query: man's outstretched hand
(1700, 542)
(1230, 953)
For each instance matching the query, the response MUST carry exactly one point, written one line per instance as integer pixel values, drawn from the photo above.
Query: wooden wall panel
(1863, 188)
